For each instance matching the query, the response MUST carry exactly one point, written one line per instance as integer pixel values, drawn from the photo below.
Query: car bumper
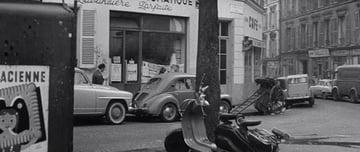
(139, 111)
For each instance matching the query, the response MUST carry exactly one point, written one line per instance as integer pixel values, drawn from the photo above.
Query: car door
(184, 89)
(84, 95)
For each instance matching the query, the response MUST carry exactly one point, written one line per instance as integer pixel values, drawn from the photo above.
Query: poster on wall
(24, 99)
(115, 72)
(131, 72)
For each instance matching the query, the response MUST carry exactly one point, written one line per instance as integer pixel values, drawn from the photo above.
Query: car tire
(115, 113)
(224, 107)
(169, 112)
(335, 95)
(311, 102)
(353, 96)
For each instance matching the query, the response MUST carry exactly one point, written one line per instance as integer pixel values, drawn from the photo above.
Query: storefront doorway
(124, 50)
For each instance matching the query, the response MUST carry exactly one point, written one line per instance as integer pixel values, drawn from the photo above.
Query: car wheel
(335, 95)
(169, 112)
(353, 97)
(115, 113)
(311, 102)
(224, 107)
(323, 95)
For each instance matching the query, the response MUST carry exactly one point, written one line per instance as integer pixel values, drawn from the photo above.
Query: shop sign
(24, 96)
(247, 44)
(340, 53)
(319, 53)
(152, 5)
(355, 52)
(236, 9)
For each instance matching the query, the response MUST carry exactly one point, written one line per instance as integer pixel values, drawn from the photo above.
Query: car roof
(172, 75)
(293, 76)
(348, 66)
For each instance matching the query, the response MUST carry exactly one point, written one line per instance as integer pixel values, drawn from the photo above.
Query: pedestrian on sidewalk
(98, 77)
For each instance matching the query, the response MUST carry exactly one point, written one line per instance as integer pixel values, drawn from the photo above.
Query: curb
(157, 149)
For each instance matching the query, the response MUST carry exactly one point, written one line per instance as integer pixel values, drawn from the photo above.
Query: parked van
(296, 89)
(347, 82)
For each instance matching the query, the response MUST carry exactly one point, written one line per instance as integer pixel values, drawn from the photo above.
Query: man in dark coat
(97, 77)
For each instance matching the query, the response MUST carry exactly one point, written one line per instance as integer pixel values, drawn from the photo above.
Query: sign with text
(149, 5)
(24, 99)
(319, 53)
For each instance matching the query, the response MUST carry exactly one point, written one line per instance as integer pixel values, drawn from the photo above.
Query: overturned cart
(268, 99)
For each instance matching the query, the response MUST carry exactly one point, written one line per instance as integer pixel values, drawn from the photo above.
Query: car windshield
(153, 83)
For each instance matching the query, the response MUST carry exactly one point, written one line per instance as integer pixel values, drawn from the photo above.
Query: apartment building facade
(271, 38)
(319, 35)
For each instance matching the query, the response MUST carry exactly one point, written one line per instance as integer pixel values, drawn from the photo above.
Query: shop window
(163, 48)
(146, 43)
(163, 23)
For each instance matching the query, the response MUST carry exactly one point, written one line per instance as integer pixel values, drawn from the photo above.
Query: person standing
(98, 77)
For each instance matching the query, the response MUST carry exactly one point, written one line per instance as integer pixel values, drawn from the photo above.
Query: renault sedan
(98, 100)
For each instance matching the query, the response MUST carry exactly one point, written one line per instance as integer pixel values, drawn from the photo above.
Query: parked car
(296, 89)
(322, 89)
(98, 100)
(163, 95)
(347, 82)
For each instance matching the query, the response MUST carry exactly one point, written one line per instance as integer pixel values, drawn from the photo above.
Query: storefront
(340, 57)
(136, 38)
(320, 64)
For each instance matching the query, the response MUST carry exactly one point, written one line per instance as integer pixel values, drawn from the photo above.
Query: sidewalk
(283, 148)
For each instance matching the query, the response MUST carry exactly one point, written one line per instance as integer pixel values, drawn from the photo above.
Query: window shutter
(348, 29)
(356, 29)
(310, 36)
(87, 38)
(322, 33)
(334, 32)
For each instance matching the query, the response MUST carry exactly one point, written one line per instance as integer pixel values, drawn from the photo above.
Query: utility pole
(208, 62)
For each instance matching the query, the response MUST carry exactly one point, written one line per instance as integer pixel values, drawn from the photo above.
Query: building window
(356, 34)
(288, 38)
(341, 30)
(315, 34)
(273, 17)
(223, 49)
(315, 4)
(327, 32)
(334, 31)
(303, 35)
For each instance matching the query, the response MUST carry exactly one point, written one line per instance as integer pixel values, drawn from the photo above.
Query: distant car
(347, 82)
(296, 89)
(98, 100)
(163, 95)
(322, 89)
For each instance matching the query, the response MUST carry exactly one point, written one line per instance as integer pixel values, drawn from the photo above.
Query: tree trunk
(208, 61)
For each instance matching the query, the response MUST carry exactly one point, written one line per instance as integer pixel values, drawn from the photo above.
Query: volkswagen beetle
(163, 94)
